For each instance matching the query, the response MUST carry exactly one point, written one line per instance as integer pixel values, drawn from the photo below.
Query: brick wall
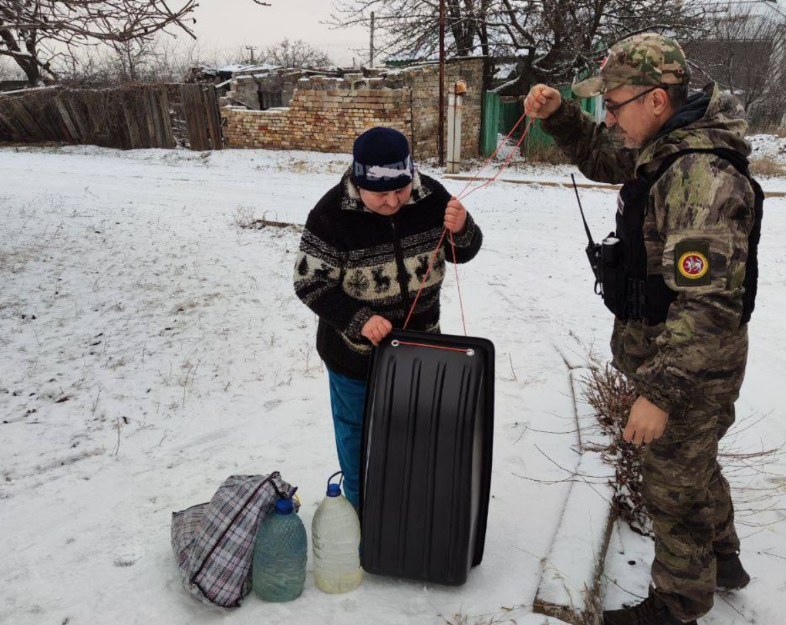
(326, 114)
(424, 86)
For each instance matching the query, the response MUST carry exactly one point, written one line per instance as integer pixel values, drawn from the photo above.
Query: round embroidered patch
(693, 265)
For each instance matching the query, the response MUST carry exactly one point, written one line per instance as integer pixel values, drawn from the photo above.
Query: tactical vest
(628, 290)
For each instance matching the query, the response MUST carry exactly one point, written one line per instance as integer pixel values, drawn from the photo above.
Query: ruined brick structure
(326, 113)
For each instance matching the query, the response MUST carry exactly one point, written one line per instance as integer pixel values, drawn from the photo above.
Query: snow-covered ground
(152, 348)
(769, 146)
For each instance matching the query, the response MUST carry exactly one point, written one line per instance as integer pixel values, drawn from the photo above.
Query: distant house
(222, 76)
(267, 86)
(745, 52)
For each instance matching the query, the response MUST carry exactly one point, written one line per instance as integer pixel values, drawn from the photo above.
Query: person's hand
(646, 422)
(376, 329)
(455, 216)
(542, 101)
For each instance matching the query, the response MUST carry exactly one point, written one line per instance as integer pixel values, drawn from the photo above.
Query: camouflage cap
(648, 59)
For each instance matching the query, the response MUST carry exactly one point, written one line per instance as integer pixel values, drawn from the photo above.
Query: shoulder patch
(692, 263)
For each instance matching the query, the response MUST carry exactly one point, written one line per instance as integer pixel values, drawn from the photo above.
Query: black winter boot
(731, 575)
(651, 611)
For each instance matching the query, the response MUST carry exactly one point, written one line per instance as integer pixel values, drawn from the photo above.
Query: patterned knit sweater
(354, 263)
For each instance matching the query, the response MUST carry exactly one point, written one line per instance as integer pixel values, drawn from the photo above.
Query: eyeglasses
(613, 108)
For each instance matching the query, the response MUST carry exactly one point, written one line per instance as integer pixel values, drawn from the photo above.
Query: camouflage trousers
(684, 490)
(690, 504)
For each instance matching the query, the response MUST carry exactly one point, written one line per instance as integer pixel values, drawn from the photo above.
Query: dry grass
(767, 167)
(592, 614)
(550, 155)
(301, 166)
(768, 129)
(244, 217)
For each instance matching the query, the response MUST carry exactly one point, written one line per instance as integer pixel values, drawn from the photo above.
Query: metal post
(441, 134)
(455, 106)
(251, 50)
(371, 46)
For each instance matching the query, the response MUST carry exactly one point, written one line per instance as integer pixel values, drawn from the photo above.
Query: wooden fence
(143, 116)
(203, 119)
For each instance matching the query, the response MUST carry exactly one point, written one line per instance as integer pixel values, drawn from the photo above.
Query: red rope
(422, 284)
(464, 195)
(458, 284)
(447, 349)
(499, 147)
(461, 196)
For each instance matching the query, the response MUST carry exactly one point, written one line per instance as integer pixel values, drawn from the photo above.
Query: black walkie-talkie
(594, 250)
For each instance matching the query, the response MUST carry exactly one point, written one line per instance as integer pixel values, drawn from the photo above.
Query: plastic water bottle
(280, 553)
(335, 532)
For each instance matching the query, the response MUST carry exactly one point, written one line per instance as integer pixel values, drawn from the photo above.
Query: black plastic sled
(425, 474)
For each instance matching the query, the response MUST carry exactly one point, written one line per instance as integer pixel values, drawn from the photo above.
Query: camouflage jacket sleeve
(704, 214)
(590, 146)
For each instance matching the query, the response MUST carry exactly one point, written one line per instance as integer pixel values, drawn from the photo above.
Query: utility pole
(251, 50)
(441, 135)
(371, 46)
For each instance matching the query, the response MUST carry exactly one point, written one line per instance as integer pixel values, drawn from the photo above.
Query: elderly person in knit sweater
(363, 256)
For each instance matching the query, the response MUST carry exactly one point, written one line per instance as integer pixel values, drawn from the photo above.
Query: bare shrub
(550, 155)
(243, 217)
(767, 167)
(611, 396)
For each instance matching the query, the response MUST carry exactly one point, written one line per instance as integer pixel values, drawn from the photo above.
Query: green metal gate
(501, 117)
(537, 138)
(490, 128)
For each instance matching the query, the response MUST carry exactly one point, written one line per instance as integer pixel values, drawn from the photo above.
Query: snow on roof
(262, 67)
(764, 8)
(28, 90)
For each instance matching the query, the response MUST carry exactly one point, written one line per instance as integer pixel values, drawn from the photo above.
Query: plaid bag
(214, 542)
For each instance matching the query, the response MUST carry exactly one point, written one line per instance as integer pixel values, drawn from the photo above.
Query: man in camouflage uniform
(697, 220)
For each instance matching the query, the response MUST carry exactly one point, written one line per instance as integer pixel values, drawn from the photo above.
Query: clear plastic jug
(335, 533)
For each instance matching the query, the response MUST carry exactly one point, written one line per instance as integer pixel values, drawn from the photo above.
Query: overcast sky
(233, 23)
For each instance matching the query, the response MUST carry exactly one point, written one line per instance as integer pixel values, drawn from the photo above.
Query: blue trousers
(347, 398)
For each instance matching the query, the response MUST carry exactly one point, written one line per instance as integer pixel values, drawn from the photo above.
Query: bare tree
(563, 39)
(132, 58)
(298, 53)
(174, 60)
(555, 40)
(42, 35)
(164, 59)
(745, 52)
(409, 28)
